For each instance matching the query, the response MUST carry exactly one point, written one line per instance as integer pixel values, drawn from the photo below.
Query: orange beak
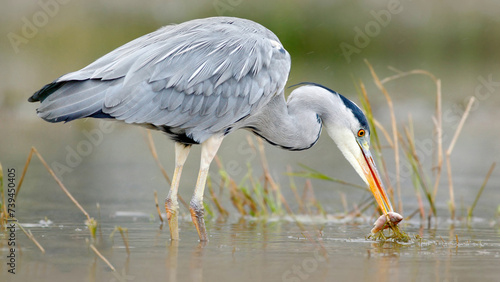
(373, 178)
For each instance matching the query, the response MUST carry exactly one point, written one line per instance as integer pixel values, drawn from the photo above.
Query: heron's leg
(171, 203)
(208, 150)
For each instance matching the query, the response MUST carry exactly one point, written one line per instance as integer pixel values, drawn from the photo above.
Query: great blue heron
(200, 80)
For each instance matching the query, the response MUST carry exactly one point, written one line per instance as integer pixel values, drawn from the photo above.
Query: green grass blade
(312, 173)
(471, 209)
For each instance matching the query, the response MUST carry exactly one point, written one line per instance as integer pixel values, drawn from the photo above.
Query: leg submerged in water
(208, 150)
(171, 203)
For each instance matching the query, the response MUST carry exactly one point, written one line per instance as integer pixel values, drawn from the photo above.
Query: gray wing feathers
(200, 76)
(73, 100)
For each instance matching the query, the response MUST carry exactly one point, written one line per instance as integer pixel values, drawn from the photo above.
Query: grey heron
(200, 80)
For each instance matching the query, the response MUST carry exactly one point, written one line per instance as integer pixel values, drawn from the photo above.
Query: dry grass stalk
(59, 182)
(236, 196)
(90, 222)
(102, 257)
(420, 203)
(450, 150)
(256, 200)
(262, 197)
(418, 171)
(240, 198)
(421, 209)
(308, 196)
(223, 212)
(471, 209)
(401, 74)
(376, 144)
(410, 149)
(265, 166)
(384, 131)
(124, 234)
(418, 210)
(158, 206)
(369, 113)
(25, 169)
(442, 240)
(438, 133)
(437, 119)
(358, 209)
(293, 187)
(275, 187)
(152, 148)
(310, 199)
(31, 237)
(285, 203)
(98, 207)
(343, 199)
(259, 192)
(438, 125)
(393, 124)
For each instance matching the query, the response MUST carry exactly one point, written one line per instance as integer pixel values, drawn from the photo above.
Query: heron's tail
(70, 100)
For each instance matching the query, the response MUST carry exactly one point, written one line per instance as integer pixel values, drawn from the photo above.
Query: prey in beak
(349, 129)
(372, 177)
(369, 170)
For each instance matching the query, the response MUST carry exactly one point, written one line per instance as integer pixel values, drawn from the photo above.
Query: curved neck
(294, 124)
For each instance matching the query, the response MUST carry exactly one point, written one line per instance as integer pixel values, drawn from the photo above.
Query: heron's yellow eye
(361, 133)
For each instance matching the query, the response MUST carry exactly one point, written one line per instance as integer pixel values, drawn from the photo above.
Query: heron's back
(191, 80)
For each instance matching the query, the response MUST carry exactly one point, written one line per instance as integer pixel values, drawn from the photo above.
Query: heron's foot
(172, 209)
(197, 213)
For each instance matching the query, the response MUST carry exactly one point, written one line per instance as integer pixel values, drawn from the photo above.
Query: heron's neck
(293, 125)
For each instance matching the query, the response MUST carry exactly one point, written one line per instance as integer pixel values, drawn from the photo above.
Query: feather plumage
(192, 76)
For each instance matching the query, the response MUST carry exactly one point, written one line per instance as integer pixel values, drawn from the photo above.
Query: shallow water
(258, 251)
(122, 181)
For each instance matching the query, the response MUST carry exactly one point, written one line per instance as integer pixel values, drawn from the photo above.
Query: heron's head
(348, 127)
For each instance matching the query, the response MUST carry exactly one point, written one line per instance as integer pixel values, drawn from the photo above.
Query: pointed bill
(374, 180)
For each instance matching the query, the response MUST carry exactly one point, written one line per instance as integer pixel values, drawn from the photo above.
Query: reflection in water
(172, 260)
(92, 269)
(386, 264)
(197, 260)
(123, 273)
(435, 256)
(260, 251)
(195, 265)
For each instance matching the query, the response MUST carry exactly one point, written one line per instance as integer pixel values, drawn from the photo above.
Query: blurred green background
(455, 40)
